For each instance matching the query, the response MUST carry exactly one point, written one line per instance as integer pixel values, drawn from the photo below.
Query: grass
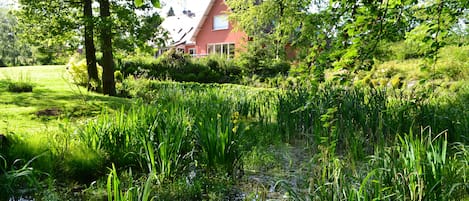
(52, 90)
(190, 141)
(38, 122)
(449, 70)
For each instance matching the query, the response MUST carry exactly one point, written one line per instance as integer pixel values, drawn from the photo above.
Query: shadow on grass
(73, 104)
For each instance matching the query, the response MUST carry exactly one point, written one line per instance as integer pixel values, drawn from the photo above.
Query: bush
(228, 68)
(277, 67)
(118, 76)
(2, 64)
(177, 66)
(78, 71)
(19, 87)
(21, 84)
(453, 62)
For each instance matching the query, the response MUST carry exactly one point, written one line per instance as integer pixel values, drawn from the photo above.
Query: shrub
(229, 70)
(19, 87)
(118, 76)
(2, 64)
(453, 62)
(275, 68)
(180, 67)
(22, 84)
(78, 71)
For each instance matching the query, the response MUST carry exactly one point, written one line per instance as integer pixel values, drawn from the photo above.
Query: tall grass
(183, 131)
(361, 115)
(18, 179)
(415, 167)
(134, 192)
(152, 136)
(219, 136)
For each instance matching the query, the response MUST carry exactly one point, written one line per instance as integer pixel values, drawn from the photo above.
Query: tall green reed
(416, 167)
(168, 141)
(144, 134)
(19, 178)
(133, 191)
(219, 134)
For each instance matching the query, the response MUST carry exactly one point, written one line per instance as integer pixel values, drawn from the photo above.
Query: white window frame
(224, 26)
(194, 51)
(222, 48)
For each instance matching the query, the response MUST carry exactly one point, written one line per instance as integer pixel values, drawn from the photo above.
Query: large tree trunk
(109, 85)
(93, 79)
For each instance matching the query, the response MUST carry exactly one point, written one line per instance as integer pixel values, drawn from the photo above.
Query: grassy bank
(53, 97)
(190, 141)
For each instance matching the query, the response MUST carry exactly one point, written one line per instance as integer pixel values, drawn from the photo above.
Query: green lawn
(51, 91)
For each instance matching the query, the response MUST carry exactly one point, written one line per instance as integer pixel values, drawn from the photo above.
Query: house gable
(205, 35)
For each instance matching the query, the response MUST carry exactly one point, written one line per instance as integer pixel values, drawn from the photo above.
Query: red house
(212, 34)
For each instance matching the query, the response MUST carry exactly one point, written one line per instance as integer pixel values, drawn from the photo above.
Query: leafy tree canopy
(347, 34)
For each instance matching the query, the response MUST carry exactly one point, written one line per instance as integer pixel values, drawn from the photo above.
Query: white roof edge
(202, 20)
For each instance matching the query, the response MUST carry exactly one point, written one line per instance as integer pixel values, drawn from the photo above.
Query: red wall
(206, 35)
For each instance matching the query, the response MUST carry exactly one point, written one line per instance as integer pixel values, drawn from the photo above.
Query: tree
(170, 12)
(109, 86)
(93, 78)
(56, 23)
(51, 27)
(12, 50)
(134, 31)
(345, 34)
(272, 23)
(106, 39)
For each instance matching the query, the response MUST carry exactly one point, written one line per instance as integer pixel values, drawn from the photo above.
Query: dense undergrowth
(386, 135)
(190, 141)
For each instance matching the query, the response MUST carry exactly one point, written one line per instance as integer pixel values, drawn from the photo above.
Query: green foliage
(78, 72)
(134, 191)
(20, 84)
(219, 137)
(2, 64)
(369, 113)
(14, 51)
(50, 27)
(134, 29)
(119, 77)
(180, 67)
(190, 141)
(448, 70)
(414, 167)
(19, 175)
(139, 3)
(347, 35)
(271, 24)
(54, 28)
(162, 133)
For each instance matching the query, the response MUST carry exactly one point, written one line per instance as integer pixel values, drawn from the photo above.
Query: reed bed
(367, 143)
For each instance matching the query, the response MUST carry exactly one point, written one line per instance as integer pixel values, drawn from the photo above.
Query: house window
(220, 22)
(227, 49)
(192, 51)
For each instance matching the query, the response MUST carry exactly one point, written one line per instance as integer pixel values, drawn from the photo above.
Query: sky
(196, 6)
(7, 3)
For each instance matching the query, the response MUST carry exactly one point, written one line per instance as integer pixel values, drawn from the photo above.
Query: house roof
(180, 28)
(202, 20)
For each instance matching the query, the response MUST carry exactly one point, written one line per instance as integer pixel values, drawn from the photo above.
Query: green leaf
(156, 3)
(138, 3)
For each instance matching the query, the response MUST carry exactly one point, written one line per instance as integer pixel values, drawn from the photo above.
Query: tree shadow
(71, 103)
